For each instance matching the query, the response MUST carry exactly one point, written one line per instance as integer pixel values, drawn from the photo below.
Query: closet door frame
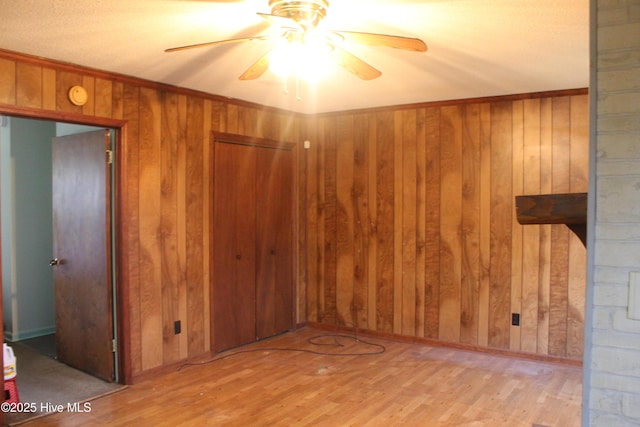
(229, 138)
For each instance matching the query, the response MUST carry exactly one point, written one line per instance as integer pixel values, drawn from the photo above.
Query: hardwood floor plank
(276, 382)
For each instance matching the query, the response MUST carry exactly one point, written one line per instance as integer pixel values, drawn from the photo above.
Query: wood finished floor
(407, 385)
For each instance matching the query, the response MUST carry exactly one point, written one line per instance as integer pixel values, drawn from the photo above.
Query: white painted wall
(27, 282)
(27, 235)
(7, 219)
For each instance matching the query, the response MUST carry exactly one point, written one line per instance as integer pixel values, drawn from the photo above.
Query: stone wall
(612, 353)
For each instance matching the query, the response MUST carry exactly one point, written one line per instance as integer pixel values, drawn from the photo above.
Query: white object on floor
(10, 370)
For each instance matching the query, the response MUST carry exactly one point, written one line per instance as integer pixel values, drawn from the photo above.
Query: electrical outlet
(515, 319)
(177, 327)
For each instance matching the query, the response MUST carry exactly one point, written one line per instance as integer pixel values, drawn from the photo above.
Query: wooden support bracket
(569, 209)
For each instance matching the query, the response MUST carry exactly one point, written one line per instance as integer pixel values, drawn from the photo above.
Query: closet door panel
(234, 288)
(284, 305)
(274, 250)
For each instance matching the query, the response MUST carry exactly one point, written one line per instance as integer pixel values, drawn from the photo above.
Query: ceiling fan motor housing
(306, 13)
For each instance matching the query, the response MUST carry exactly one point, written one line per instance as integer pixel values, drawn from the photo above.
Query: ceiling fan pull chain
(284, 85)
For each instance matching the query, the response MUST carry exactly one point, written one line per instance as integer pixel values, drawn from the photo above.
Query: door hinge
(109, 157)
(113, 346)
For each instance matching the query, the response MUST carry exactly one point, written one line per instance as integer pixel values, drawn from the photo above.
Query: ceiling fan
(298, 21)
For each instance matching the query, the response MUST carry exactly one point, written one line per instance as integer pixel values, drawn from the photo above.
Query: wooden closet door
(274, 233)
(234, 288)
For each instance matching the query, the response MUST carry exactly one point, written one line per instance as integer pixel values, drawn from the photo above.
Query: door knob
(55, 261)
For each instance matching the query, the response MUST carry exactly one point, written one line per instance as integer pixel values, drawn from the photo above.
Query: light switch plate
(634, 295)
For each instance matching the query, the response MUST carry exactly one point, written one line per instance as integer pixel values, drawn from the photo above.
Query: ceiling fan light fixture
(283, 60)
(306, 13)
(304, 52)
(306, 60)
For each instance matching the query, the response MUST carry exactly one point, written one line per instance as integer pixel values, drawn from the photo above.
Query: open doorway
(29, 294)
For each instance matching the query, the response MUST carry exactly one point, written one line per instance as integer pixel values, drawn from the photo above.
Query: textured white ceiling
(477, 48)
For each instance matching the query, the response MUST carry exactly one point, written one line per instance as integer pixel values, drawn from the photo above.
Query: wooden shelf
(569, 209)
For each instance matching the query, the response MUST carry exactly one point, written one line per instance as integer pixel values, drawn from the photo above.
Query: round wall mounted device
(78, 95)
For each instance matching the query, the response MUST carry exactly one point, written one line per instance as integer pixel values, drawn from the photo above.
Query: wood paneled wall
(411, 222)
(406, 216)
(165, 191)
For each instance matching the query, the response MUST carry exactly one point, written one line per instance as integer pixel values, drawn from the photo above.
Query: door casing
(123, 331)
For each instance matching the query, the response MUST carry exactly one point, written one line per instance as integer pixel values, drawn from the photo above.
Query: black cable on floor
(379, 349)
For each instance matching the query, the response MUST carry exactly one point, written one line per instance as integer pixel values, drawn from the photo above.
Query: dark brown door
(274, 272)
(82, 252)
(253, 239)
(234, 290)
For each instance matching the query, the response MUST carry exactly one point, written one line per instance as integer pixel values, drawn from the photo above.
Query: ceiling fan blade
(216, 43)
(354, 64)
(281, 21)
(257, 69)
(398, 42)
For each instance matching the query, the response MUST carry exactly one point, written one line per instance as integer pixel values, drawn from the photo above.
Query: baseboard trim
(25, 335)
(171, 367)
(448, 344)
